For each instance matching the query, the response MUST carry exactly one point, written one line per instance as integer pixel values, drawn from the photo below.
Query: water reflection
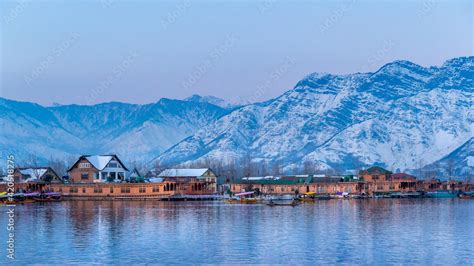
(336, 231)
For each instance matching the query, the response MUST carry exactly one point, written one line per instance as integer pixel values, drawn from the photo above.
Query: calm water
(427, 231)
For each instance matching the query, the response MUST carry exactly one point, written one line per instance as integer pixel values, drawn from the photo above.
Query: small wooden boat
(467, 195)
(241, 198)
(48, 197)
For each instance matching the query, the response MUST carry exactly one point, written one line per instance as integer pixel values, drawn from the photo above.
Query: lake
(372, 231)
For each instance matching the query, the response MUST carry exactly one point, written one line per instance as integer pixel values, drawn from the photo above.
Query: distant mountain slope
(460, 162)
(403, 116)
(137, 132)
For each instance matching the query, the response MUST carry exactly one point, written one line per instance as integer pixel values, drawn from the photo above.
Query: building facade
(97, 169)
(36, 174)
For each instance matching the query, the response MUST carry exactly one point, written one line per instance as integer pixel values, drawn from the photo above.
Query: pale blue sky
(87, 52)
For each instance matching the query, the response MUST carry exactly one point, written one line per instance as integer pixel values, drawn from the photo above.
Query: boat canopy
(244, 193)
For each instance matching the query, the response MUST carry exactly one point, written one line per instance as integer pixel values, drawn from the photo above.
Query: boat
(467, 195)
(48, 197)
(241, 198)
(307, 197)
(292, 204)
(342, 195)
(442, 194)
(24, 197)
(413, 194)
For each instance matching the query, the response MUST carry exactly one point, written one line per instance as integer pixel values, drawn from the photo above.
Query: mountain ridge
(403, 116)
(365, 98)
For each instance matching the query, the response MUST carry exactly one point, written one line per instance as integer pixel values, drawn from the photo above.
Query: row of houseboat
(106, 177)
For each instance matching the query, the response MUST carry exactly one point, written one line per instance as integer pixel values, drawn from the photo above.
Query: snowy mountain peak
(404, 116)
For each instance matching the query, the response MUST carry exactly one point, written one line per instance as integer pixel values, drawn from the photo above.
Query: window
(83, 190)
(142, 190)
(156, 189)
(97, 190)
(125, 190)
(111, 189)
(84, 176)
(73, 190)
(113, 165)
(96, 175)
(84, 165)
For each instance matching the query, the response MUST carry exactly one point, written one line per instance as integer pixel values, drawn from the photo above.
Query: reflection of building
(36, 175)
(97, 168)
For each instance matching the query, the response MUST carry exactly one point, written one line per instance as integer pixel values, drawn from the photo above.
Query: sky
(87, 52)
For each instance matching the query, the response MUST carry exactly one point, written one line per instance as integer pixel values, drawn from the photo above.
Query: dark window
(141, 190)
(97, 190)
(125, 190)
(84, 176)
(156, 189)
(83, 190)
(111, 189)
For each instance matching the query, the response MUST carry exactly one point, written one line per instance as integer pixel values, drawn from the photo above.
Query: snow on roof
(183, 172)
(155, 179)
(99, 161)
(33, 172)
(255, 178)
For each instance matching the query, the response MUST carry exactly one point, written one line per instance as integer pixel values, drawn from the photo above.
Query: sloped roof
(183, 172)
(375, 169)
(33, 172)
(99, 161)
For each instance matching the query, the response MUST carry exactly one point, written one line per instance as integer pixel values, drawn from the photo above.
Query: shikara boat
(242, 198)
(48, 197)
(467, 195)
(307, 197)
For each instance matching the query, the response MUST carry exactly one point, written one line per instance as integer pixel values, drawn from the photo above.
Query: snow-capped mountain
(135, 132)
(213, 100)
(404, 116)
